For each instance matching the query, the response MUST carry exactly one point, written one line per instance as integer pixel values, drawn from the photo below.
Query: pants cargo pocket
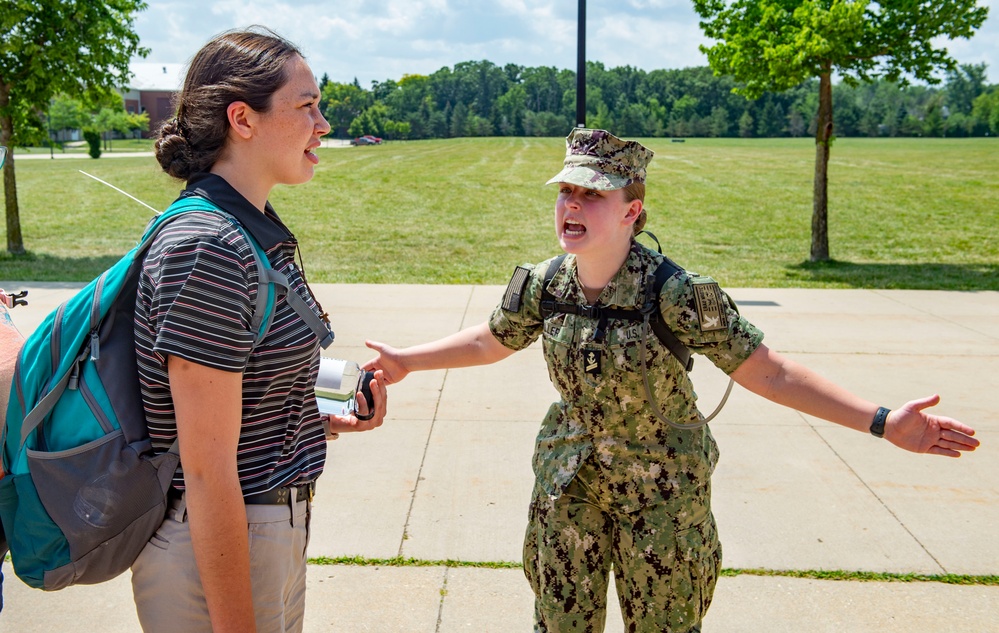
(698, 561)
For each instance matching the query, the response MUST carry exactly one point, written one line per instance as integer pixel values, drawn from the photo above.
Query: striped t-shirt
(195, 301)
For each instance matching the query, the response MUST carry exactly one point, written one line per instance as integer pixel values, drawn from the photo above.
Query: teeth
(574, 229)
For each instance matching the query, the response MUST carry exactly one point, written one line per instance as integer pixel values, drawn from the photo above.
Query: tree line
(480, 98)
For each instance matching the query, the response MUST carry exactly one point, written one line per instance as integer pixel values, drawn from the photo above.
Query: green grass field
(904, 213)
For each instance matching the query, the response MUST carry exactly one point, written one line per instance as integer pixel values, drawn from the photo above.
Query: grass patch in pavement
(811, 574)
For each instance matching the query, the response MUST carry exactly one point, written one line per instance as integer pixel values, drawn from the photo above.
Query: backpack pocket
(106, 498)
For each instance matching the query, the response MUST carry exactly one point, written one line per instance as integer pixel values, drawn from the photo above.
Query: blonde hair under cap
(596, 159)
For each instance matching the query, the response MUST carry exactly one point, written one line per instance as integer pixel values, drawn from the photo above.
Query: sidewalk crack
(440, 608)
(875, 495)
(430, 435)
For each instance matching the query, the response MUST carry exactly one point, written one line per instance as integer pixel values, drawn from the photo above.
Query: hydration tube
(655, 403)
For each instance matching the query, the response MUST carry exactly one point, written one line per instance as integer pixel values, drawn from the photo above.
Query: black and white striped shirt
(195, 301)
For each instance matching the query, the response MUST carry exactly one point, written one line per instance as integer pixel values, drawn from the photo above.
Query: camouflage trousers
(664, 576)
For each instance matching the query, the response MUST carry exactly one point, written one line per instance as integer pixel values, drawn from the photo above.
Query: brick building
(152, 89)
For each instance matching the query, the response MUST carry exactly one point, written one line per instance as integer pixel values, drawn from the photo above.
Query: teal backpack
(83, 491)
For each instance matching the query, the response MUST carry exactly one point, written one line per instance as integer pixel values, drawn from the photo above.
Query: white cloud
(376, 40)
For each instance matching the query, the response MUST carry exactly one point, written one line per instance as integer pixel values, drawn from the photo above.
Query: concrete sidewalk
(448, 476)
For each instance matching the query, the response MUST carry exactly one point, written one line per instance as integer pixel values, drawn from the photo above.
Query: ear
(634, 210)
(240, 119)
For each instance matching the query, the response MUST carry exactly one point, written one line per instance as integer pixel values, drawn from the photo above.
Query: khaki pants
(167, 588)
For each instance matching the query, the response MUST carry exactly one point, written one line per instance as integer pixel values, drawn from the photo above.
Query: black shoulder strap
(547, 298)
(666, 270)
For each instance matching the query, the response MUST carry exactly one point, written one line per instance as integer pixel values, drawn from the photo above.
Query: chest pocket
(577, 360)
(560, 342)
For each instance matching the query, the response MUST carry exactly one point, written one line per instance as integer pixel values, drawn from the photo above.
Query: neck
(243, 179)
(595, 272)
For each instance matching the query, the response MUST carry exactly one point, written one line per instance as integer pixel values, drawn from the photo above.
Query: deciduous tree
(774, 45)
(77, 47)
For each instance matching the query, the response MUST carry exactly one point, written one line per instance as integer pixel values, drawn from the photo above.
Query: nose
(574, 198)
(322, 125)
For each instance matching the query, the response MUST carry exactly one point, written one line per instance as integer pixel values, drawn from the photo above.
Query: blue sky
(375, 40)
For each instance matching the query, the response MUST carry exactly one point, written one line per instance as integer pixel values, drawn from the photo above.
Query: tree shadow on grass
(45, 267)
(899, 276)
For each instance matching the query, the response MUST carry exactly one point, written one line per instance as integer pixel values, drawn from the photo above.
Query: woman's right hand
(389, 361)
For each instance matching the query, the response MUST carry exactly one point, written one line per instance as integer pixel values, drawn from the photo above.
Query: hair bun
(173, 151)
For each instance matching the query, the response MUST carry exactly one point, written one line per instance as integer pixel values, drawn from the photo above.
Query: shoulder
(203, 243)
(216, 231)
(676, 281)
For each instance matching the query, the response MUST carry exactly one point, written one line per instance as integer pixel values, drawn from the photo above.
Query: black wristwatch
(878, 425)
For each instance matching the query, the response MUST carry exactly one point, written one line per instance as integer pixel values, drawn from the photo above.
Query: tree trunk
(15, 241)
(820, 197)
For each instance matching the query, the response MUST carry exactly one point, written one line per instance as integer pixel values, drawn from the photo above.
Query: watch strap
(878, 425)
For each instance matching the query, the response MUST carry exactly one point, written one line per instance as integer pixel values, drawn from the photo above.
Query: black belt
(278, 496)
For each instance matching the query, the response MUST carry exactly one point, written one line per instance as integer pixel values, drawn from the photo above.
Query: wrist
(330, 433)
(878, 423)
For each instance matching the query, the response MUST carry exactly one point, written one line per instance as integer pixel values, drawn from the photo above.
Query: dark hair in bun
(245, 65)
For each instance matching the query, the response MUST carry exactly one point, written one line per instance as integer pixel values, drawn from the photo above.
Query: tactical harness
(649, 314)
(650, 309)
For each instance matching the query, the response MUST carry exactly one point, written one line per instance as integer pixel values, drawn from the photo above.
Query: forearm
(472, 346)
(208, 404)
(781, 380)
(217, 518)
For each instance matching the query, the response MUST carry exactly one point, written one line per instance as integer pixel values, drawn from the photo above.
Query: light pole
(581, 66)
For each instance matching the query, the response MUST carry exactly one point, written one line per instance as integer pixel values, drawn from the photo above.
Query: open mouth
(571, 229)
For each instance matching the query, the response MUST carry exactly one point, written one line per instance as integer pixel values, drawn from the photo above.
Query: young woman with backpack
(230, 555)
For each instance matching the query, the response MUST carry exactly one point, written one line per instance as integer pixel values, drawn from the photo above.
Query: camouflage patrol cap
(596, 159)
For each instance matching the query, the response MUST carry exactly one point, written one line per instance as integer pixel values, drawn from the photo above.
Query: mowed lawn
(903, 213)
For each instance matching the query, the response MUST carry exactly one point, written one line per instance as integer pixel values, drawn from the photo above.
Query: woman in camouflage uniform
(616, 484)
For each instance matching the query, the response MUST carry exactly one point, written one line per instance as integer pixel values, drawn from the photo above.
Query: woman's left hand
(909, 427)
(352, 423)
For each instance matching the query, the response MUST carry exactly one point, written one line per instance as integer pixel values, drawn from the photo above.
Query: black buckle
(14, 299)
(591, 312)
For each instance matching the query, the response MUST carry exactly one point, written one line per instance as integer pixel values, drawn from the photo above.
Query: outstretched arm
(786, 382)
(474, 345)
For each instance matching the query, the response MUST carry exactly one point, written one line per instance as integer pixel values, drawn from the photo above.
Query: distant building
(152, 90)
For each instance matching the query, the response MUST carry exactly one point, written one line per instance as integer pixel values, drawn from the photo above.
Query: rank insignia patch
(515, 289)
(711, 312)
(591, 361)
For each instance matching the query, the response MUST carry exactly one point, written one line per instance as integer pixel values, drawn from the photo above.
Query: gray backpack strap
(298, 304)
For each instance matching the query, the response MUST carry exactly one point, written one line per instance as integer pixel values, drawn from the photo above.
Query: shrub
(93, 138)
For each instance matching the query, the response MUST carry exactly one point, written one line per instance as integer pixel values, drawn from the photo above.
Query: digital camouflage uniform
(614, 485)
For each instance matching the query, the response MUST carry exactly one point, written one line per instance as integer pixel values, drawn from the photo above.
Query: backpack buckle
(13, 299)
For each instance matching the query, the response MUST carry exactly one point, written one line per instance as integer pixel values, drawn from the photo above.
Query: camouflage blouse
(604, 411)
